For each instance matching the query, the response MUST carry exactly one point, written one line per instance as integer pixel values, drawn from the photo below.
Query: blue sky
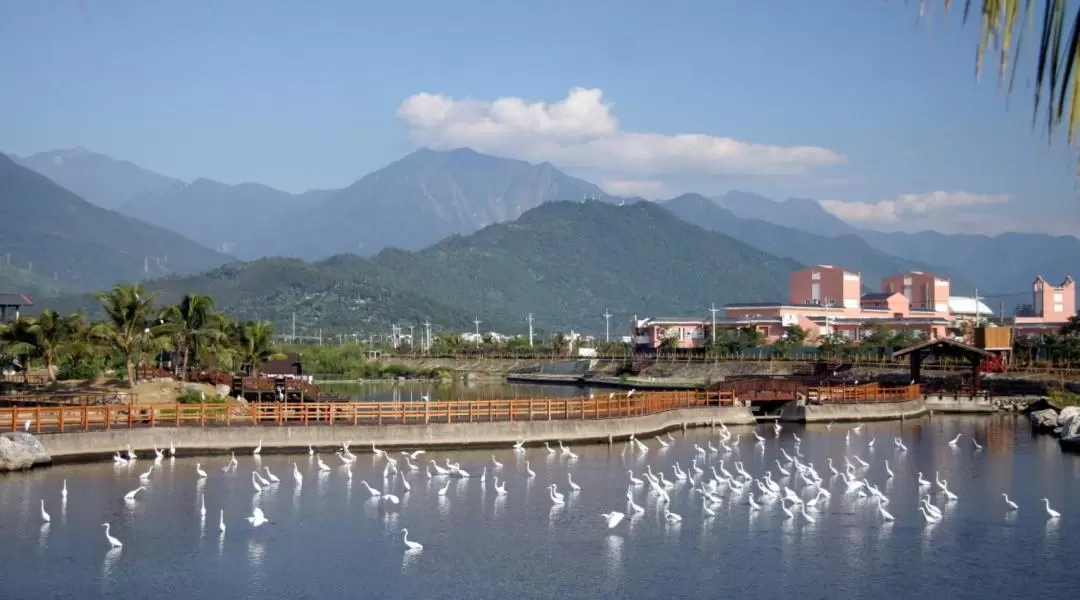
(309, 94)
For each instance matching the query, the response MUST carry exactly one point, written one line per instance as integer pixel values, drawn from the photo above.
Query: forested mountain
(50, 231)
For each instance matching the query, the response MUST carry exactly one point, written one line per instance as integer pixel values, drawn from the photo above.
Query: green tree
(559, 343)
(792, 338)
(18, 340)
(834, 345)
(191, 327)
(52, 334)
(257, 345)
(129, 328)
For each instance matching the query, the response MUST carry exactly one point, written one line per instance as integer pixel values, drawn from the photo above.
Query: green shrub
(194, 397)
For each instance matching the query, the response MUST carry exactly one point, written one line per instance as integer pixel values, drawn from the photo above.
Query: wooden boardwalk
(69, 419)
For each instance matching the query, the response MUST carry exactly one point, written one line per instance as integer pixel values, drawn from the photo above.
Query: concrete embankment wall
(189, 440)
(948, 404)
(879, 411)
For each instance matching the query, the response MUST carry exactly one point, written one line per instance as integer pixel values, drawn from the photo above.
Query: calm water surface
(329, 539)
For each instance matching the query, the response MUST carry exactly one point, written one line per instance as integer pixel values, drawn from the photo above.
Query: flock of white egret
(714, 473)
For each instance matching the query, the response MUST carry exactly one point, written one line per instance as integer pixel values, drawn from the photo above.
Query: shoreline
(601, 382)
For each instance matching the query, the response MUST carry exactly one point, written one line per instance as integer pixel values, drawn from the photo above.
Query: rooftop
(11, 299)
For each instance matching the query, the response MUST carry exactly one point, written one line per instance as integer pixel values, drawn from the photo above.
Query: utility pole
(427, 336)
(477, 323)
(713, 310)
(293, 328)
(412, 340)
(530, 320)
(607, 326)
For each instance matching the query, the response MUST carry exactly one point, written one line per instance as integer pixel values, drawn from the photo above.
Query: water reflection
(410, 558)
(109, 562)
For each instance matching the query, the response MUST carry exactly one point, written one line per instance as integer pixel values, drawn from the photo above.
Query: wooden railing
(860, 394)
(68, 398)
(63, 419)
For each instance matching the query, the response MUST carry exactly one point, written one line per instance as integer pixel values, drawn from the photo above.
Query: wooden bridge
(774, 389)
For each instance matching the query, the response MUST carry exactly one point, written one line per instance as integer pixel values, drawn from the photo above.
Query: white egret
(887, 469)
(573, 486)
(405, 482)
(221, 521)
(442, 490)
(44, 515)
(257, 517)
(955, 440)
(374, 492)
(255, 482)
(130, 496)
(199, 471)
(113, 542)
(497, 464)
(881, 509)
(1051, 513)
(529, 470)
(1012, 505)
(413, 546)
(273, 478)
(297, 477)
(613, 518)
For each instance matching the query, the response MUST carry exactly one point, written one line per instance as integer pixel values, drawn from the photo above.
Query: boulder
(20, 450)
(1069, 422)
(192, 387)
(222, 390)
(1044, 420)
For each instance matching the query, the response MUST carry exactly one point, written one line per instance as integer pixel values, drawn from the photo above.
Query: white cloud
(908, 206)
(580, 131)
(650, 189)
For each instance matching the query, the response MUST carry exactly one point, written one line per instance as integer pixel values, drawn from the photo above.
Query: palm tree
(18, 341)
(128, 328)
(51, 335)
(1005, 26)
(257, 344)
(191, 327)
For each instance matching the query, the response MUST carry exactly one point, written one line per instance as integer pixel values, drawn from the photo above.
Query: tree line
(135, 332)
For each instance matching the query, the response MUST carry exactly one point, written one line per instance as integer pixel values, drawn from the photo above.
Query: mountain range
(456, 234)
(50, 231)
(566, 263)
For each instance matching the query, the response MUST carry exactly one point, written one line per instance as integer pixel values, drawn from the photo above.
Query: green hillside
(566, 262)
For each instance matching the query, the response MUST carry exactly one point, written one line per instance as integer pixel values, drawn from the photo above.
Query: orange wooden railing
(62, 419)
(865, 393)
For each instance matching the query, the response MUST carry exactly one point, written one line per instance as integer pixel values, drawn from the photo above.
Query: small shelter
(11, 304)
(944, 347)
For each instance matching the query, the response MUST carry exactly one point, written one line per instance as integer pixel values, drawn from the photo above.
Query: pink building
(826, 285)
(1051, 307)
(925, 292)
(828, 299)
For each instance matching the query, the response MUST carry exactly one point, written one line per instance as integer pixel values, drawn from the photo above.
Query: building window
(1059, 308)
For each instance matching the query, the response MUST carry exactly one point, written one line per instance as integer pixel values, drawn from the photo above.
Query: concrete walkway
(205, 440)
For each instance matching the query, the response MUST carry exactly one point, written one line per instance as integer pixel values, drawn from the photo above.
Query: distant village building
(828, 299)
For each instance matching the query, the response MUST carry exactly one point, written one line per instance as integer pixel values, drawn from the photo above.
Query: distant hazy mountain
(850, 251)
(798, 213)
(104, 181)
(49, 230)
(566, 262)
(231, 218)
(1001, 264)
(423, 198)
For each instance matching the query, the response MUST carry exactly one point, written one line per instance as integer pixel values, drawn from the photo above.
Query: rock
(192, 387)
(222, 390)
(20, 450)
(1069, 422)
(1070, 444)
(1044, 420)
